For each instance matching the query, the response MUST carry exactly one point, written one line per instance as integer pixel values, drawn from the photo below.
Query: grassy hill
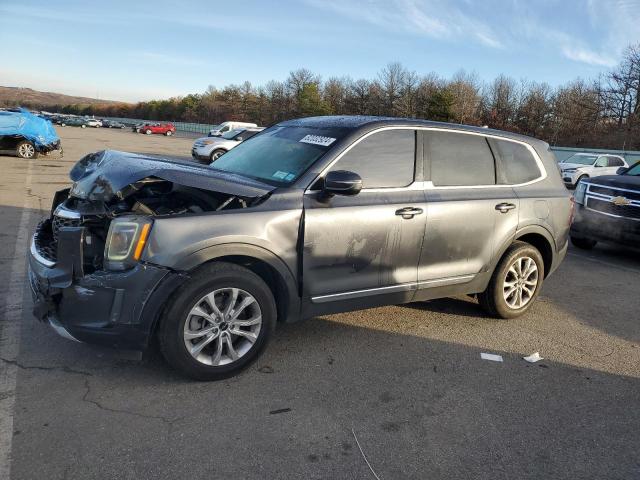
(12, 96)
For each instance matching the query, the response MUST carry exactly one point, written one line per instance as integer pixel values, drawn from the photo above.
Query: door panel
(464, 230)
(359, 243)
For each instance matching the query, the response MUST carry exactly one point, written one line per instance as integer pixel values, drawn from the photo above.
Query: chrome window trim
(429, 184)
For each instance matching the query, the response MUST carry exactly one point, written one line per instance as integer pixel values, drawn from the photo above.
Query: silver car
(310, 217)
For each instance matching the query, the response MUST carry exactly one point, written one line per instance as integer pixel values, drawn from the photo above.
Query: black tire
(580, 178)
(26, 149)
(83, 126)
(169, 133)
(492, 299)
(148, 132)
(583, 243)
(213, 276)
(216, 154)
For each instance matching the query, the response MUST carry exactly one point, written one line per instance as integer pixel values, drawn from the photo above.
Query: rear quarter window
(515, 162)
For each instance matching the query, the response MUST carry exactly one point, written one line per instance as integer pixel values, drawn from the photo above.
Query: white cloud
(583, 55)
(437, 19)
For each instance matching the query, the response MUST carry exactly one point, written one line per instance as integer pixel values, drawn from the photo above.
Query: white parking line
(602, 262)
(10, 333)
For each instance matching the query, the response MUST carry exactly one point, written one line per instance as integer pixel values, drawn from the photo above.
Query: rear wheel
(515, 282)
(26, 149)
(83, 126)
(583, 243)
(148, 132)
(218, 322)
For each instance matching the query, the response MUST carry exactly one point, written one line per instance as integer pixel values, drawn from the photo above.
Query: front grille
(614, 192)
(59, 222)
(604, 206)
(44, 241)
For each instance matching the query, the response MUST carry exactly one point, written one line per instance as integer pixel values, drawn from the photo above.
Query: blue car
(26, 134)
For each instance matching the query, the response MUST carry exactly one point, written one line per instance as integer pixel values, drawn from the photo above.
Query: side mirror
(238, 139)
(342, 182)
(622, 171)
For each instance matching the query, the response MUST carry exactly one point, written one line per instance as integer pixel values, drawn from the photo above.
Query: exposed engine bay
(100, 194)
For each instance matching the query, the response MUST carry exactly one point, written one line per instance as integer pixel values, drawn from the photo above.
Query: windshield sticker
(281, 175)
(318, 140)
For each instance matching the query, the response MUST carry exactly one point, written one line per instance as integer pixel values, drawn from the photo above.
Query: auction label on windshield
(318, 140)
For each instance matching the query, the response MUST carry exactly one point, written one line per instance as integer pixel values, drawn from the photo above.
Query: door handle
(408, 212)
(505, 207)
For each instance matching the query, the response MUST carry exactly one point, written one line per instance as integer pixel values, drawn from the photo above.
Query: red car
(162, 128)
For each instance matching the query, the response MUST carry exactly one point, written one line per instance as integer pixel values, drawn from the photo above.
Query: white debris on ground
(533, 358)
(491, 356)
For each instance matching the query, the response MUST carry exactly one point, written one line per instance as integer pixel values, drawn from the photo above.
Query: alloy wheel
(520, 282)
(222, 326)
(26, 150)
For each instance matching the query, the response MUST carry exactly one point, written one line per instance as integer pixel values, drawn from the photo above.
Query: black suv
(608, 209)
(309, 217)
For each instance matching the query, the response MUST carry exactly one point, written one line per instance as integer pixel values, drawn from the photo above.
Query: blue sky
(137, 50)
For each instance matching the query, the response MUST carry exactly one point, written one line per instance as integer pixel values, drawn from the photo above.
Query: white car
(225, 127)
(212, 148)
(93, 122)
(586, 165)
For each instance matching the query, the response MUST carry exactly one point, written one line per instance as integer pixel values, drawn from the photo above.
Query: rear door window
(384, 159)
(515, 163)
(459, 159)
(615, 162)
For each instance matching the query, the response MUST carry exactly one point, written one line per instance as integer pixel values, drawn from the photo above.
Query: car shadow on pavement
(419, 408)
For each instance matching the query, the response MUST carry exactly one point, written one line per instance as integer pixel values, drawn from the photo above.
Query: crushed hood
(110, 174)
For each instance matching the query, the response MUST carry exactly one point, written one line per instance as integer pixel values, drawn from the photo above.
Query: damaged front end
(87, 270)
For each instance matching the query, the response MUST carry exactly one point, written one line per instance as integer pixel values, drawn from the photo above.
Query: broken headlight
(126, 240)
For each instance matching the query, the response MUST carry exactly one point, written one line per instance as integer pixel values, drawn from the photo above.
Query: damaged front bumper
(116, 309)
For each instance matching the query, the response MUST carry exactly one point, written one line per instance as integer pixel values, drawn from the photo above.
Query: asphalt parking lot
(402, 388)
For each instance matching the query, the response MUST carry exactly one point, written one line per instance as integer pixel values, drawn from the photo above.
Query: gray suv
(309, 217)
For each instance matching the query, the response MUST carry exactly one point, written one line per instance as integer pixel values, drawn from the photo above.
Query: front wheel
(148, 132)
(169, 133)
(83, 126)
(515, 282)
(583, 243)
(26, 149)
(218, 322)
(581, 178)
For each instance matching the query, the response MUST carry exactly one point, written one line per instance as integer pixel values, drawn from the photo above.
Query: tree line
(604, 112)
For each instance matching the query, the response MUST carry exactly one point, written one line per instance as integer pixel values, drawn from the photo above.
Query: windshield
(634, 171)
(232, 133)
(279, 155)
(582, 159)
